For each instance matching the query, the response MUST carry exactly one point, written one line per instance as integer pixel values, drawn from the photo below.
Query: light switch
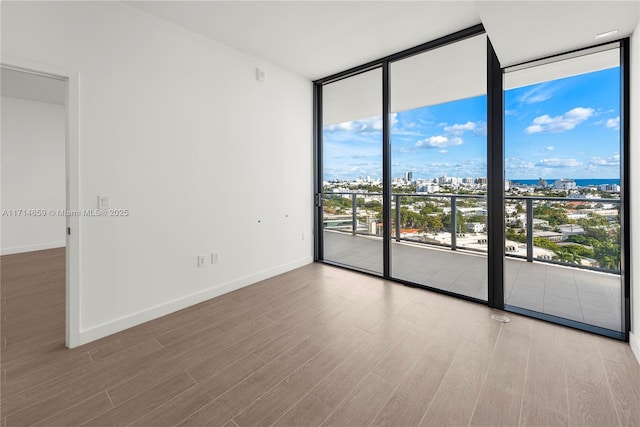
(104, 202)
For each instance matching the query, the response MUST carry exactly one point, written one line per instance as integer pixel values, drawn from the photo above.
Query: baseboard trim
(634, 342)
(32, 248)
(117, 325)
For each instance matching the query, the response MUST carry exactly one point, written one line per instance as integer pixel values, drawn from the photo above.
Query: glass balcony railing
(580, 233)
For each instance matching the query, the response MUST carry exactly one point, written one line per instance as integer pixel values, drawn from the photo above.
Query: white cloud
(517, 164)
(613, 123)
(346, 126)
(443, 151)
(459, 129)
(609, 161)
(537, 94)
(566, 121)
(372, 124)
(534, 129)
(550, 148)
(478, 128)
(438, 141)
(556, 162)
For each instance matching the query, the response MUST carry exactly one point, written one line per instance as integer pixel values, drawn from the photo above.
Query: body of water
(579, 182)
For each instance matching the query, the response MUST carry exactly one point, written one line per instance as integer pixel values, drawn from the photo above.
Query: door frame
(72, 166)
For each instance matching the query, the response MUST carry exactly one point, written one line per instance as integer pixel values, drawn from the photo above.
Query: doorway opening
(38, 256)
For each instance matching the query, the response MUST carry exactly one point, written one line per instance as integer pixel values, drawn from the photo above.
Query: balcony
(456, 262)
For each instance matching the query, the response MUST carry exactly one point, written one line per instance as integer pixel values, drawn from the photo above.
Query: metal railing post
(454, 225)
(354, 216)
(397, 198)
(529, 207)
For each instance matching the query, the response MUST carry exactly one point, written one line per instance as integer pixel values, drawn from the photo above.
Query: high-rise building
(408, 176)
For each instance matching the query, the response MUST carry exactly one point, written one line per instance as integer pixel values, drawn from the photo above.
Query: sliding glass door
(439, 168)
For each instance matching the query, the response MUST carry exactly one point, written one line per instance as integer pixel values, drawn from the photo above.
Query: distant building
(481, 181)
(475, 227)
(550, 235)
(610, 188)
(338, 222)
(564, 184)
(571, 229)
(542, 183)
(408, 176)
(577, 215)
(428, 188)
(610, 214)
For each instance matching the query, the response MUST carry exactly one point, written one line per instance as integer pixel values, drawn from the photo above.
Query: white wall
(634, 338)
(176, 129)
(33, 174)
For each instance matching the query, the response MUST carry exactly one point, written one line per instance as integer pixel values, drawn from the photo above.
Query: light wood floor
(315, 346)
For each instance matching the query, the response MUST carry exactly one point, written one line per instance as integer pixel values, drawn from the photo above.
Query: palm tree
(564, 255)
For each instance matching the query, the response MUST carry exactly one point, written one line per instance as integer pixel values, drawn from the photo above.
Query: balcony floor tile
(580, 295)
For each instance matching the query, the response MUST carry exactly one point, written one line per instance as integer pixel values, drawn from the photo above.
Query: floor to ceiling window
(562, 160)
(352, 171)
(439, 169)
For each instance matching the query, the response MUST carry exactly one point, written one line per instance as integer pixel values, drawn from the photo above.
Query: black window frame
(495, 175)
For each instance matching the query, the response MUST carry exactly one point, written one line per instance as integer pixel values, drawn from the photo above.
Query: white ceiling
(318, 38)
(525, 30)
(34, 87)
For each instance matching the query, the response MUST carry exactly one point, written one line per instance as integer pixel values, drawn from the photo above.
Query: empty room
(305, 213)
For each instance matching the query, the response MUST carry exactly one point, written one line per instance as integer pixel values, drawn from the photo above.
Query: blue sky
(566, 128)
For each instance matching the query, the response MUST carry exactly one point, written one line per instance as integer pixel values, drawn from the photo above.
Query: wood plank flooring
(316, 346)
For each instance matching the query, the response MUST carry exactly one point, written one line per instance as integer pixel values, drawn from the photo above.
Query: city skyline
(565, 128)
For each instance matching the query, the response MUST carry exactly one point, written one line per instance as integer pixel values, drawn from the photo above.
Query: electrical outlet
(202, 260)
(215, 257)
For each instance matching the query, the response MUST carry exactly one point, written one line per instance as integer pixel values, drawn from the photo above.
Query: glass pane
(352, 171)
(439, 168)
(562, 160)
